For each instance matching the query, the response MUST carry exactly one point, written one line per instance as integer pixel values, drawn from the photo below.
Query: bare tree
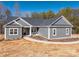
(16, 6)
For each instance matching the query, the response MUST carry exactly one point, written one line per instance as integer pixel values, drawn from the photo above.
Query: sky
(40, 6)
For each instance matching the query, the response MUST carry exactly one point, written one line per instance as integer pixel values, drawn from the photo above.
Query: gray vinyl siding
(61, 32)
(13, 25)
(22, 23)
(60, 26)
(43, 32)
(17, 25)
(14, 36)
(62, 22)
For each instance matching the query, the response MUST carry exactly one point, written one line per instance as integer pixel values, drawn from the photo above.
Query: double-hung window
(67, 31)
(34, 30)
(54, 31)
(13, 31)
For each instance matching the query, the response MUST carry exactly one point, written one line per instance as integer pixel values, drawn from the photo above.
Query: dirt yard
(28, 48)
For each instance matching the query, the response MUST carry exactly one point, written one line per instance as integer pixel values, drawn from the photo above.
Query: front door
(25, 31)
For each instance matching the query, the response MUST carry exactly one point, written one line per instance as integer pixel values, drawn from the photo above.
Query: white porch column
(30, 31)
(5, 32)
(48, 32)
(71, 32)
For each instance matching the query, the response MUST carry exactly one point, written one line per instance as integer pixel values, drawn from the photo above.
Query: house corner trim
(48, 32)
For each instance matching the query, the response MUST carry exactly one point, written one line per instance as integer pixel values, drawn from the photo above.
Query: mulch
(56, 40)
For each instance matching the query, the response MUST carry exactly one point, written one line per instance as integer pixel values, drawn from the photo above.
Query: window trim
(53, 31)
(34, 30)
(13, 31)
(67, 33)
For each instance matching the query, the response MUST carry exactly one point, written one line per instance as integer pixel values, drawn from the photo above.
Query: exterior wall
(13, 24)
(13, 36)
(61, 32)
(22, 23)
(43, 32)
(36, 28)
(62, 22)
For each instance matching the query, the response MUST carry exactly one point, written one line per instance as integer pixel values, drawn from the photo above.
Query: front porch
(26, 31)
(29, 31)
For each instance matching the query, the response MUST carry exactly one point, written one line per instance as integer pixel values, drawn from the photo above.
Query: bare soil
(11, 48)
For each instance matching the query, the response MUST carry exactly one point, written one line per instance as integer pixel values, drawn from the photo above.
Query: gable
(17, 22)
(20, 21)
(13, 24)
(62, 22)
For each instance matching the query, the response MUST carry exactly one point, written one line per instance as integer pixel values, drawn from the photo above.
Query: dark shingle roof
(35, 22)
(10, 18)
(39, 22)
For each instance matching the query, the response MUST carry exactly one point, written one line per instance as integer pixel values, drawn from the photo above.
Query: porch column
(30, 30)
(48, 32)
(71, 32)
(5, 32)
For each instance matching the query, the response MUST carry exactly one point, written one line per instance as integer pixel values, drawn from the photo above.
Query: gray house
(58, 27)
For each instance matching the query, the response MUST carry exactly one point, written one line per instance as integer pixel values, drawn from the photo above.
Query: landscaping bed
(56, 40)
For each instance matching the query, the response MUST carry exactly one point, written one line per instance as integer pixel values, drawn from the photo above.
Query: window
(54, 31)
(34, 30)
(67, 31)
(13, 31)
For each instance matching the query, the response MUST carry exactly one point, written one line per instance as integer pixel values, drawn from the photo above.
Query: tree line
(71, 14)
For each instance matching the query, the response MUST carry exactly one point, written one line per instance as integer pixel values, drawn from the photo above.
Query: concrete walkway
(40, 41)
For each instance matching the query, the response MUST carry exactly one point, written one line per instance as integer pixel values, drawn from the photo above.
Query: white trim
(30, 31)
(49, 26)
(66, 20)
(13, 31)
(60, 26)
(26, 26)
(71, 32)
(48, 32)
(67, 31)
(5, 33)
(63, 18)
(53, 31)
(42, 26)
(25, 21)
(17, 23)
(34, 30)
(10, 22)
(55, 21)
(13, 26)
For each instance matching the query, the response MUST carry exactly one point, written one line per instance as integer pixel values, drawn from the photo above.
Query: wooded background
(71, 14)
